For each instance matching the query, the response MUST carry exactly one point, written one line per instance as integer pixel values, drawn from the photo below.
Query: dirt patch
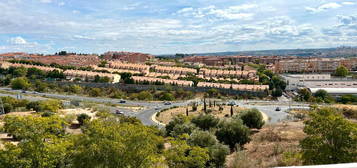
(274, 145)
(166, 116)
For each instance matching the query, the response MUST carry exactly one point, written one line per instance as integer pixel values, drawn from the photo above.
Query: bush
(218, 154)
(202, 139)
(330, 138)
(47, 114)
(232, 132)
(205, 122)
(167, 97)
(82, 117)
(8, 107)
(178, 120)
(20, 83)
(180, 129)
(252, 118)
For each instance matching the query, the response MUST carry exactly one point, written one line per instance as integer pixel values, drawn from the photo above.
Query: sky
(175, 26)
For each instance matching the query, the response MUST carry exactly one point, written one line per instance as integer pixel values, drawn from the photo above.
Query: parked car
(119, 112)
(122, 101)
(278, 109)
(167, 103)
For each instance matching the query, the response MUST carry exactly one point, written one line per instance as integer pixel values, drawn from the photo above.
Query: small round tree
(252, 118)
(232, 132)
(205, 122)
(202, 139)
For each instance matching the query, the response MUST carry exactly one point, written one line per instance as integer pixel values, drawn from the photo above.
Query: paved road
(150, 108)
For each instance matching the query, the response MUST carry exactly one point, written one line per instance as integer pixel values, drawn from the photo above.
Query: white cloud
(46, 1)
(348, 3)
(230, 13)
(17, 41)
(61, 3)
(83, 37)
(324, 7)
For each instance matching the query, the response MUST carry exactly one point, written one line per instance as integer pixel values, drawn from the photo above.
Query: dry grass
(350, 111)
(166, 116)
(273, 145)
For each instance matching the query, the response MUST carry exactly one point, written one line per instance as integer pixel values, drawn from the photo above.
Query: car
(118, 112)
(167, 103)
(24, 91)
(122, 101)
(278, 109)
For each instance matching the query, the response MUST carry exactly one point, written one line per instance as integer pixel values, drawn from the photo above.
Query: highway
(150, 108)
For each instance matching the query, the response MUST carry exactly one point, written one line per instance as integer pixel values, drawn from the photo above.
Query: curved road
(150, 108)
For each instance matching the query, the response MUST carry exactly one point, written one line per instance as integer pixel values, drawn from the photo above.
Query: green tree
(75, 89)
(145, 95)
(341, 71)
(20, 83)
(29, 127)
(111, 144)
(277, 92)
(178, 120)
(95, 92)
(34, 73)
(330, 138)
(182, 155)
(322, 95)
(232, 132)
(20, 72)
(40, 86)
(205, 122)
(252, 118)
(346, 99)
(167, 97)
(50, 105)
(218, 154)
(202, 139)
(304, 95)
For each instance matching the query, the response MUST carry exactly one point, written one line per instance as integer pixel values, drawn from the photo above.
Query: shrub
(82, 118)
(202, 139)
(167, 97)
(218, 154)
(330, 138)
(232, 132)
(205, 122)
(252, 118)
(20, 83)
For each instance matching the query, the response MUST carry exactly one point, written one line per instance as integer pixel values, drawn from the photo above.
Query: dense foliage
(330, 138)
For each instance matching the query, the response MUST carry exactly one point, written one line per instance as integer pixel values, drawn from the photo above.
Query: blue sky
(175, 26)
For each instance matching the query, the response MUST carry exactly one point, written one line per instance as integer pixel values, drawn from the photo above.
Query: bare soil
(271, 147)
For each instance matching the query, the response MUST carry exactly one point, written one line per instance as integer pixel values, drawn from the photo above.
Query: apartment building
(228, 73)
(232, 60)
(83, 75)
(112, 70)
(314, 64)
(171, 76)
(129, 66)
(234, 86)
(165, 81)
(174, 70)
(131, 57)
(7, 65)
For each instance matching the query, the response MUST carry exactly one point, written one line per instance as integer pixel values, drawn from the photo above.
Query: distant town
(223, 72)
